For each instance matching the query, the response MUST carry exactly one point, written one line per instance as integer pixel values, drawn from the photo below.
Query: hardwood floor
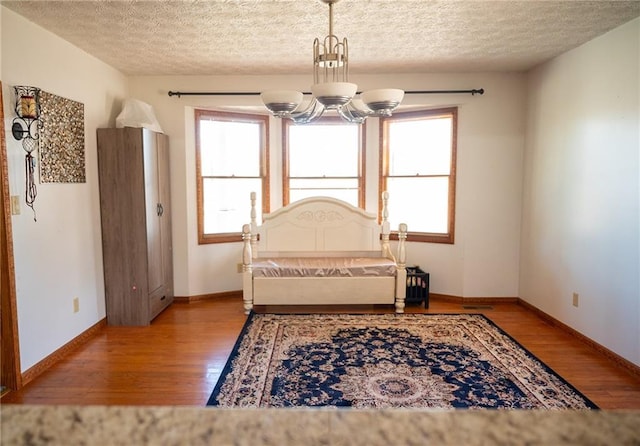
(178, 359)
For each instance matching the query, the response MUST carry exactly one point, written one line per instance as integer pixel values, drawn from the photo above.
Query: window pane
(227, 203)
(323, 183)
(342, 189)
(350, 196)
(230, 148)
(421, 203)
(323, 150)
(420, 147)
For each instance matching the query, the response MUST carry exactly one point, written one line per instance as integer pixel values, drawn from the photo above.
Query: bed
(322, 251)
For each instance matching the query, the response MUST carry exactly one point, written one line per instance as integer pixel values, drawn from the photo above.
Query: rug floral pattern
(382, 361)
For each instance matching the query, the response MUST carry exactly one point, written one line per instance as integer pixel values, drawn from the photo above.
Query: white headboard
(319, 226)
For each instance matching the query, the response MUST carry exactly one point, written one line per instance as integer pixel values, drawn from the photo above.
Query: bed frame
(321, 227)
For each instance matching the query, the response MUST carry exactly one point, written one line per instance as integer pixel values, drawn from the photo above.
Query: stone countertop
(142, 425)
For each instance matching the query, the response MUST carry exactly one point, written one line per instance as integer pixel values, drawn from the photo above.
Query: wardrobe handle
(159, 210)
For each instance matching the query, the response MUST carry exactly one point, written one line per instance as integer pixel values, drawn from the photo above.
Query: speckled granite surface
(114, 425)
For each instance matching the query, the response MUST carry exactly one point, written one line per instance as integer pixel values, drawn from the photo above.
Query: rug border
(227, 367)
(590, 403)
(211, 402)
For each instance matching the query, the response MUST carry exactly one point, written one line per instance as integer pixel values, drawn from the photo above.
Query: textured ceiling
(210, 37)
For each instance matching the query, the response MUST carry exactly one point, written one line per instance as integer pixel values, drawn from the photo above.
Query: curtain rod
(472, 92)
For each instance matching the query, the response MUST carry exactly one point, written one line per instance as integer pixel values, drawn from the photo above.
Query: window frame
(362, 132)
(203, 114)
(452, 112)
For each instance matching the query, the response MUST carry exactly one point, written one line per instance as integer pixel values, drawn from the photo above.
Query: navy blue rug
(439, 361)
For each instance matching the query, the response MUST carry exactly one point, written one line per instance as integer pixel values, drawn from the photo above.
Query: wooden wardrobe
(135, 207)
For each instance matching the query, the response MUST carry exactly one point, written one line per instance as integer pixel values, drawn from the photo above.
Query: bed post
(247, 269)
(401, 274)
(384, 239)
(254, 227)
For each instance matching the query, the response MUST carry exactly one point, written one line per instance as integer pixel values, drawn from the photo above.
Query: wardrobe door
(122, 209)
(152, 211)
(164, 178)
(163, 296)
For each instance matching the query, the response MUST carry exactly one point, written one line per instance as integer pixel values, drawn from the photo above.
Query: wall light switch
(76, 304)
(15, 204)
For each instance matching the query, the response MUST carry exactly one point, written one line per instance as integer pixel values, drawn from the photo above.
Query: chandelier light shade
(334, 95)
(281, 102)
(382, 101)
(331, 89)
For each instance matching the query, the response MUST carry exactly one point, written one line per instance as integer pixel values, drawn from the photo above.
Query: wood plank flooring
(178, 359)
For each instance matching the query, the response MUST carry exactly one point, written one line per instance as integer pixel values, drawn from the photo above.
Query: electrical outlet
(576, 298)
(15, 204)
(76, 304)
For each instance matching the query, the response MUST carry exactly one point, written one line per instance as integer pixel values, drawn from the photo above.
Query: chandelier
(331, 88)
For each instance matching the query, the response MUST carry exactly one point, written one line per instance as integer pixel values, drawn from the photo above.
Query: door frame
(11, 376)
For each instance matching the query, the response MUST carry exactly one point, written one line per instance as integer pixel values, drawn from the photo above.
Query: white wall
(484, 259)
(581, 222)
(59, 257)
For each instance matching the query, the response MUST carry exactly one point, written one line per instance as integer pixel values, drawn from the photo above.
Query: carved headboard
(320, 226)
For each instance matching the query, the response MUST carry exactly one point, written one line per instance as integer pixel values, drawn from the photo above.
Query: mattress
(324, 267)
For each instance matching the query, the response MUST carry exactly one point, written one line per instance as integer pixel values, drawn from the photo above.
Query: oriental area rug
(441, 361)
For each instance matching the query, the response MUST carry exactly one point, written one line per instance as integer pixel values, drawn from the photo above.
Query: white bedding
(324, 267)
